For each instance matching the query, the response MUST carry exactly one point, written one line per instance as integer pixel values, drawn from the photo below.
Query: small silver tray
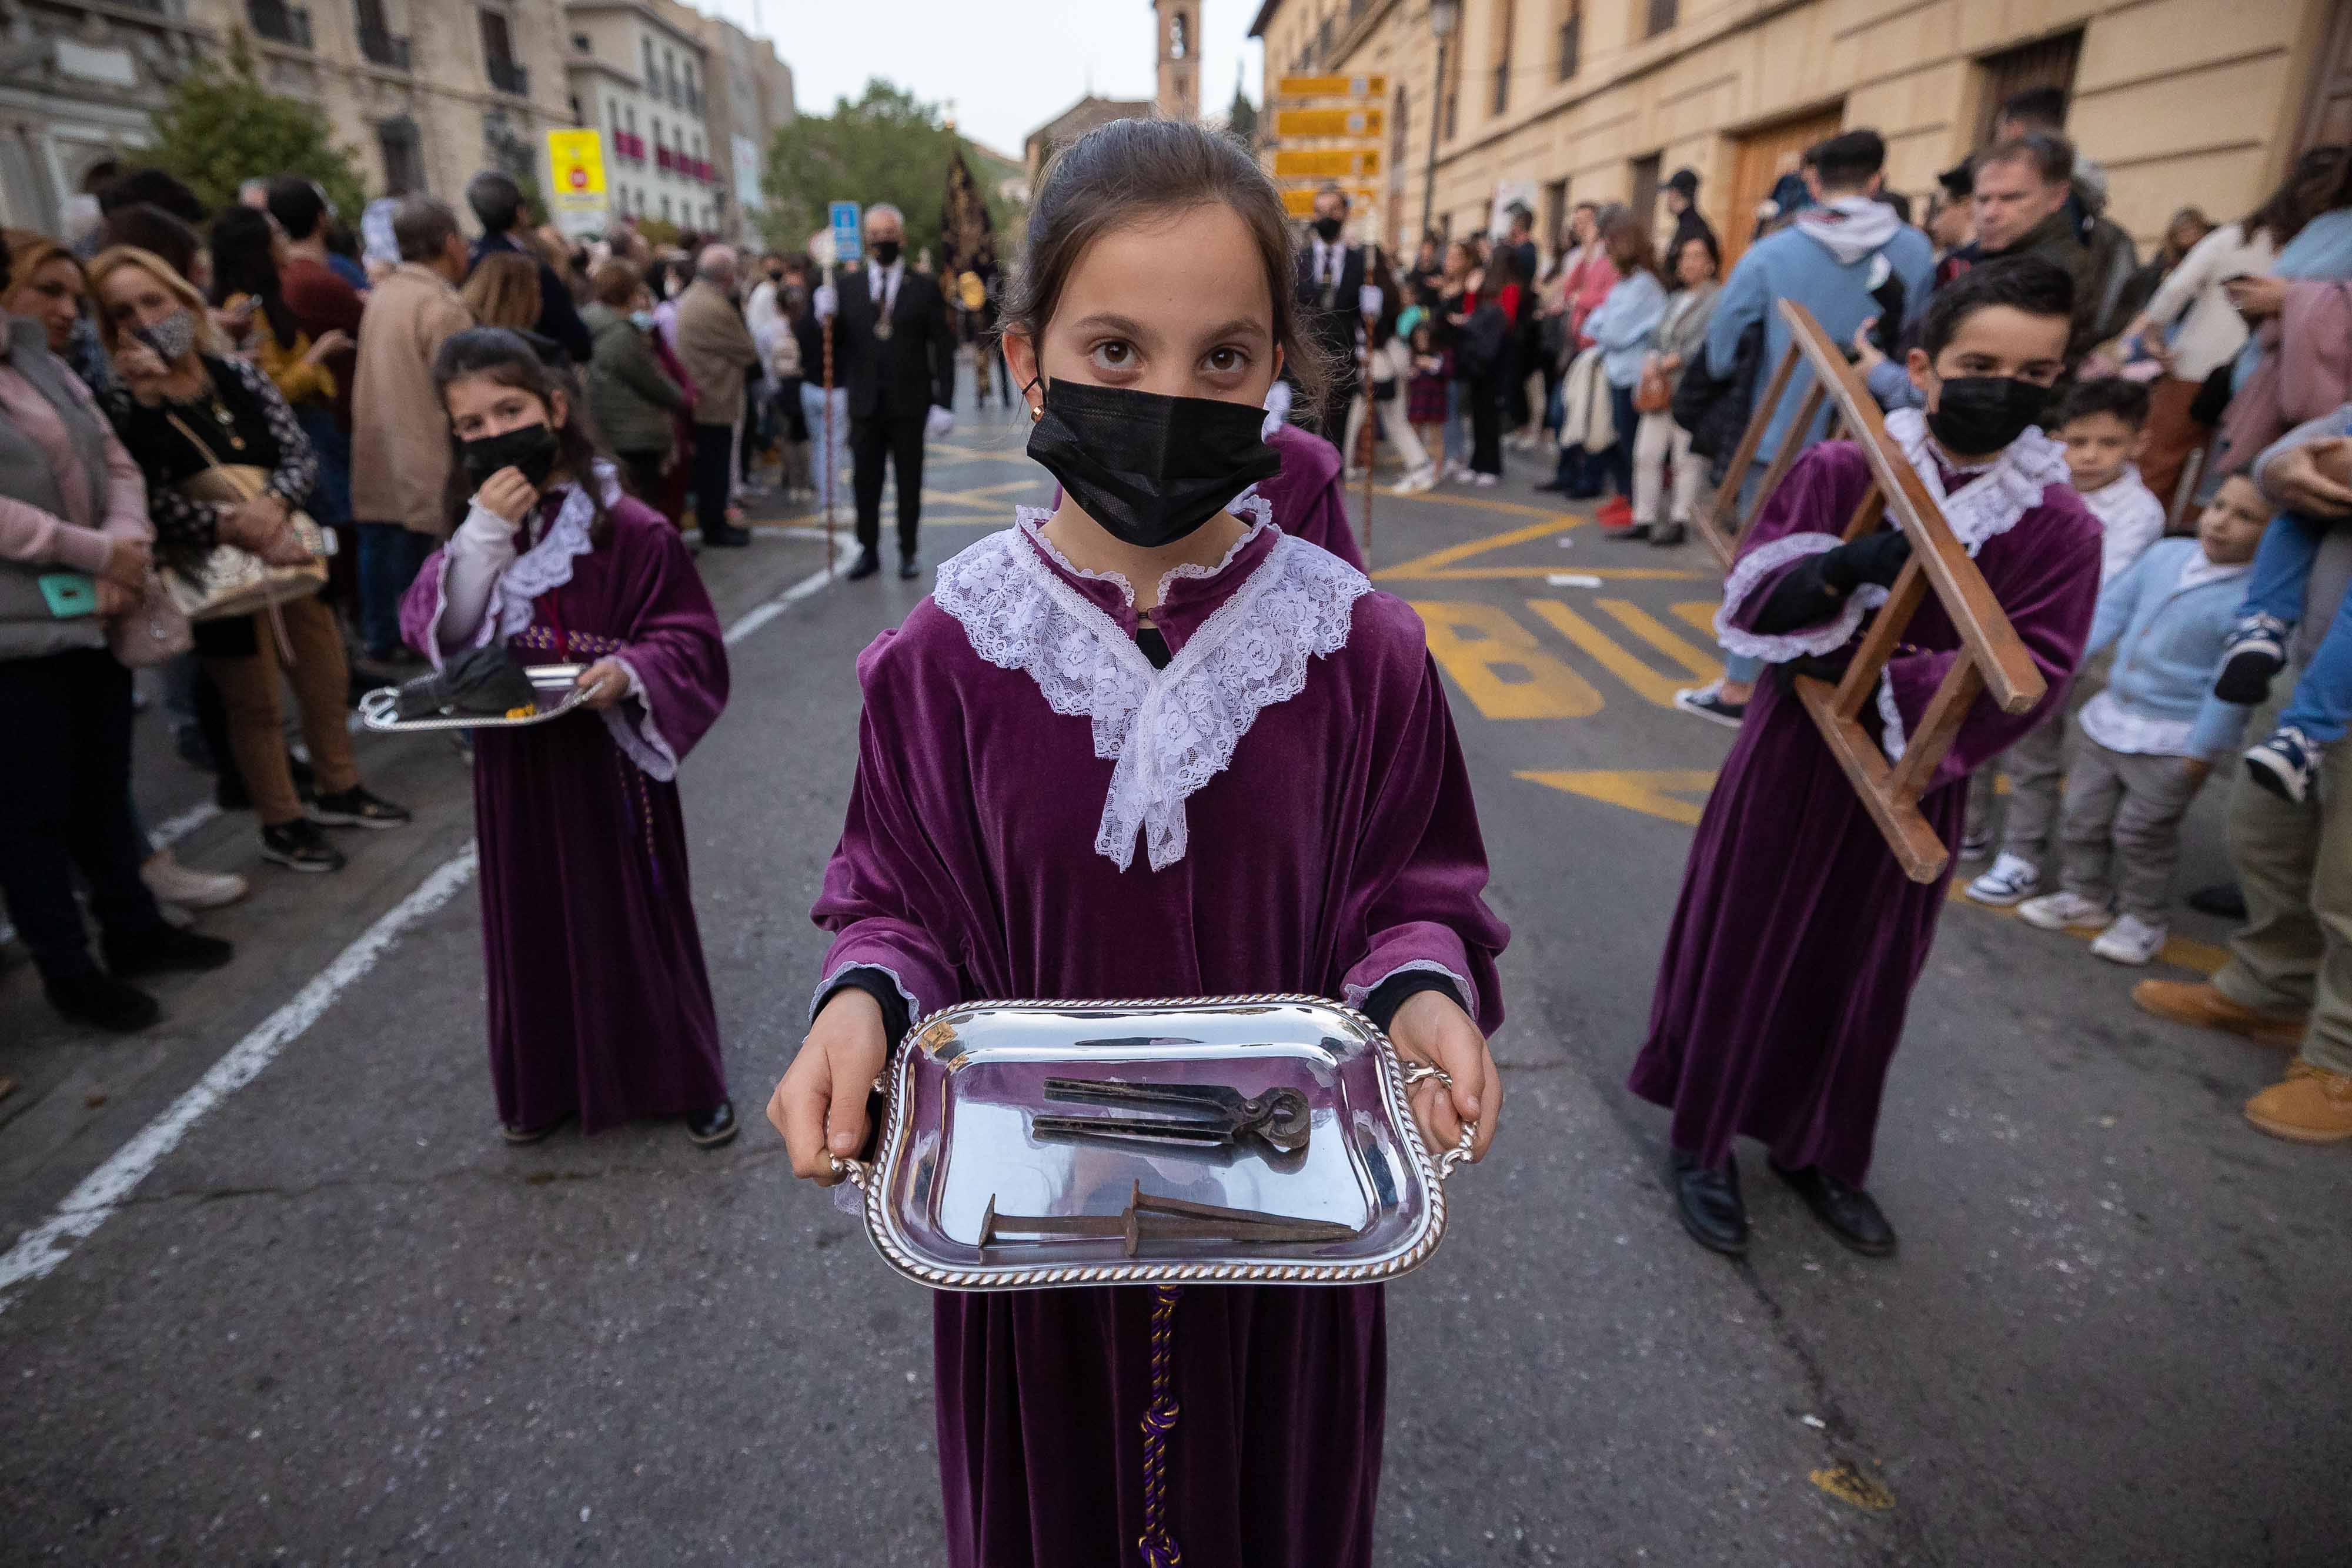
(957, 1145)
(553, 685)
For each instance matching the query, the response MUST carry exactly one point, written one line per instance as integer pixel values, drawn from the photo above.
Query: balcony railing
(280, 23)
(509, 77)
(382, 48)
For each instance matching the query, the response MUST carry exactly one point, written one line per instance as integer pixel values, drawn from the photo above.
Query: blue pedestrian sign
(848, 239)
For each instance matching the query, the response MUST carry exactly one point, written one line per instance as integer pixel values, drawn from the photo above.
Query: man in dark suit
(497, 205)
(895, 353)
(1332, 298)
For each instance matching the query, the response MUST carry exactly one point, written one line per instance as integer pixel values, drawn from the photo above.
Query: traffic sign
(576, 159)
(848, 239)
(1299, 203)
(1328, 122)
(1331, 87)
(1329, 162)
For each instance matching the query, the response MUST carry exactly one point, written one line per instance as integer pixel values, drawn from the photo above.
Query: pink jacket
(2306, 372)
(80, 541)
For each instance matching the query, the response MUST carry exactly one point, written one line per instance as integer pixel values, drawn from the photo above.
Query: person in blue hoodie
(2146, 744)
(1846, 257)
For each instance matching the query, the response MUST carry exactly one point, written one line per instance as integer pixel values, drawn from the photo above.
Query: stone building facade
(640, 75)
(2185, 103)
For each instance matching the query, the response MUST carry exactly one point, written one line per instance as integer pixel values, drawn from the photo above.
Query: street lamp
(1445, 16)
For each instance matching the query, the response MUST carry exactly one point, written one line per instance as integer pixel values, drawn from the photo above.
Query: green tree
(889, 146)
(1242, 117)
(221, 128)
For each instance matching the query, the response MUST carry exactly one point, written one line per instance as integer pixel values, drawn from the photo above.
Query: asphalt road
(337, 1319)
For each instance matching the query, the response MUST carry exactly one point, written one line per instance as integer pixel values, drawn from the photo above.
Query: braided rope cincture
(1158, 1547)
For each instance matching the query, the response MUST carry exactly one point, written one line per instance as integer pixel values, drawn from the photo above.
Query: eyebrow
(1126, 327)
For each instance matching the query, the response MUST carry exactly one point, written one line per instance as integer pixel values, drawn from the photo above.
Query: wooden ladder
(1991, 658)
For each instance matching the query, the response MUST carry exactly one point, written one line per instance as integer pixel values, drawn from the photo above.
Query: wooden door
(2046, 62)
(1758, 164)
(2327, 109)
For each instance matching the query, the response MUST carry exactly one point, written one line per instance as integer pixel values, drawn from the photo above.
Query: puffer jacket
(630, 396)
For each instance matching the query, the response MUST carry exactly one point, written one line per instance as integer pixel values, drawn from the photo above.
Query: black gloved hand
(1877, 557)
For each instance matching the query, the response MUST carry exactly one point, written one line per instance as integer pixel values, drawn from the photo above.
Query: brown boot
(2202, 1004)
(2313, 1106)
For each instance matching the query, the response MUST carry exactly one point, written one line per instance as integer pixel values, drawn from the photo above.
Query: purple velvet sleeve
(1307, 501)
(890, 885)
(1806, 517)
(1415, 897)
(420, 607)
(2045, 573)
(673, 647)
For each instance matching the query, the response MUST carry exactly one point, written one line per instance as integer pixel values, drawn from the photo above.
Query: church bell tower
(1179, 59)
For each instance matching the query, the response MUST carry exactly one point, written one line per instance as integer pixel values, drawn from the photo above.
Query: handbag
(231, 579)
(1263, 1139)
(152, 632)
(1652, 393)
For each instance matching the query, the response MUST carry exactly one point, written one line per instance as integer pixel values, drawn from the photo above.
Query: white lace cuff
(1890, 716)
(824, 986)
(1760, 562)
(640, 741)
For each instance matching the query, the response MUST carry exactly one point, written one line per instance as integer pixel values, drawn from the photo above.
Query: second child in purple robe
(599, 1006)
(1798, 937)
(1143, 746)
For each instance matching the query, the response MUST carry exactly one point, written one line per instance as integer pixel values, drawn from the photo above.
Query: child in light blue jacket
(2151, 738)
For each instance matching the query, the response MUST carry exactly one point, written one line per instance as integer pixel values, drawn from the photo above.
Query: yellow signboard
(1328, 122)
(1300, 202)
(576, 161)
(1331, 87)
(1330, 164)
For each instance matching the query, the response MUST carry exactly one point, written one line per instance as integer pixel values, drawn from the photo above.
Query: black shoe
(1666, 536)
(1553, 487)
(713, 1127)
(162, 949)
(2226, 899)
(229, 792)
(1850, 1214)
(908, 570)
(519, 1134)
(869, 563)
(1709, 1204)
(104, 1003)
(727, 535)
(298, 845)
(355, 808)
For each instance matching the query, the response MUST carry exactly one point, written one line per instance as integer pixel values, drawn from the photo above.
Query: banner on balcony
(575, 163)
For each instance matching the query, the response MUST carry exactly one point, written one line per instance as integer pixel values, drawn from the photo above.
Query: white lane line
(101, 1193)
(38, 1251)
(171, 830)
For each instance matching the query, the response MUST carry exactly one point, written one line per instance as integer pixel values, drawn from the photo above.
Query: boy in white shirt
(2102, 424)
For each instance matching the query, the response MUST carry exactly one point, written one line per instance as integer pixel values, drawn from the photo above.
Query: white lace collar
(548, 563)
(1249, 505)
(1989, 504)
(1169, 731)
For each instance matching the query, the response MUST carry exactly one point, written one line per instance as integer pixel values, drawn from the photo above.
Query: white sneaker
(1484, 481)
(2064, 912)
(1414, 482)
(173, 882)
(2130, 940)
(1457, 471)
(2012, 878)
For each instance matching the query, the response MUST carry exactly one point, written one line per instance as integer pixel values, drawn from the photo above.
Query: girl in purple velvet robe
(1143, 746)
(599, 1005)
(1798, 938)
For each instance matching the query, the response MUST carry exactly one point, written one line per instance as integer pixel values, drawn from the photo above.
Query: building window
(1555, 213)
(1646, 189)
(577, 118)
(1502, 67)
(498, 57)
(580, 42)
(1572, 39)
(653, 72)
(403, 156)
(666, 208)
(1664, 14)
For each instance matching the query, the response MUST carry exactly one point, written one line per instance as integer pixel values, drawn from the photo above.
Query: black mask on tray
(483, 683)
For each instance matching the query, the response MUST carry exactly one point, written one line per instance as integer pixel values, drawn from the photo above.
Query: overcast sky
(1009, 67)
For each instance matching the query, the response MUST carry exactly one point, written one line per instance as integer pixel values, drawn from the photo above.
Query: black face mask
(1150, 469)
(1328, 228)
(1977, 415)
(530, 448)
(885, 252)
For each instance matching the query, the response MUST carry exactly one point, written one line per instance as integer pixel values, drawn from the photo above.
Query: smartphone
(69, 593)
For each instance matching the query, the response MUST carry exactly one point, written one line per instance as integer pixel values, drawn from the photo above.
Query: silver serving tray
(553, 685)
(956, 1139)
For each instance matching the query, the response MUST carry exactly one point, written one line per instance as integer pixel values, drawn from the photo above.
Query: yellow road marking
(1698, 613)
(1849, 1485)
(1698, 669)
(1654, 792)
(1499, 665)
(1468, 547)
(1540, 573)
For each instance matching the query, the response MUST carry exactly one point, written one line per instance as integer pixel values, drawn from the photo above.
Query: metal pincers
(1210, 1115)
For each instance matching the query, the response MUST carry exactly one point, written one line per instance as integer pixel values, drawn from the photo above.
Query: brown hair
(616, 283)
(1627, 241)
(505, 356)
(2051, 158)
(503, 290)
(1123, 173)
(115, 258)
